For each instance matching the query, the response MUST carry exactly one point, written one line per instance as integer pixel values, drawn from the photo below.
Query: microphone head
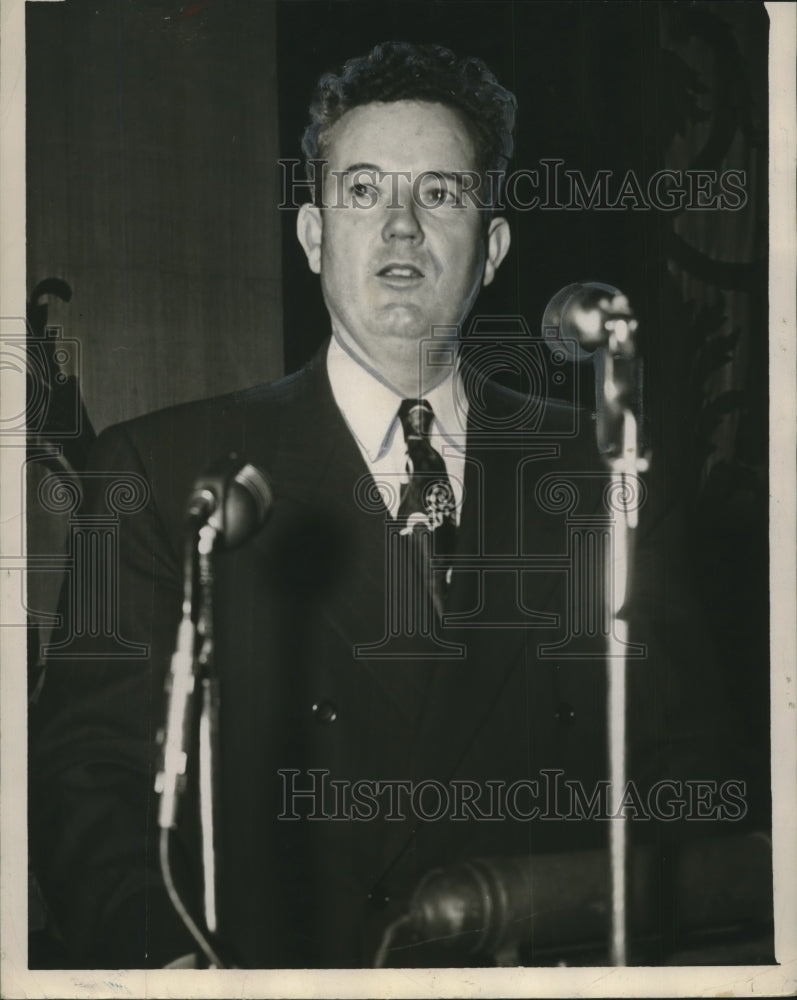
(573, 321)
(480, 904)
(246, 506)
(234, 497)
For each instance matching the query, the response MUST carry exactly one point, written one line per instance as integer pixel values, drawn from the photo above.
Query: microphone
(233, 498)
(555, 902)
(587, 315)
(480, 905)
(593, 321)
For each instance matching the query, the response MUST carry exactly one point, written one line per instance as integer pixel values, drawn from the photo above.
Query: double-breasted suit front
(321, 692)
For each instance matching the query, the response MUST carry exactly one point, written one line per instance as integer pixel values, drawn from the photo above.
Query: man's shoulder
(266, 425)
(261, 424)
(256, 409)
(241, 405)
(531, 415)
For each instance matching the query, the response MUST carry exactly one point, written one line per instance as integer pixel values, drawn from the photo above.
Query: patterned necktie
(426, 501)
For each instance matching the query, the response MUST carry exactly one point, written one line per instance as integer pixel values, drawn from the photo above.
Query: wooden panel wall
(152, 190)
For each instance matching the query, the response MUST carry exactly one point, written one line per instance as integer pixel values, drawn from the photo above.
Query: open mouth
(400, 272)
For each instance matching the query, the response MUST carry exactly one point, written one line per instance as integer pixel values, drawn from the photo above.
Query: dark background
(154, 131)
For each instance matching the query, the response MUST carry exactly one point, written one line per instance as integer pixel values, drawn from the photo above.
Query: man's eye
(439, 195)
(361, 190)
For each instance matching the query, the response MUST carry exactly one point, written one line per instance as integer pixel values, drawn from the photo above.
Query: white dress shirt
(370, 409)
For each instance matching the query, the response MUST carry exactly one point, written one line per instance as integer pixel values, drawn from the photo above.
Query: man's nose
(402, 220)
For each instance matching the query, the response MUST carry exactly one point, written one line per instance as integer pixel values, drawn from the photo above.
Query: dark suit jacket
(302, 701)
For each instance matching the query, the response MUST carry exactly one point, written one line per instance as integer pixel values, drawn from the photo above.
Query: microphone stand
(598, 316)
(208, 725)
(186, 666)
(230, 501)
(619, 429)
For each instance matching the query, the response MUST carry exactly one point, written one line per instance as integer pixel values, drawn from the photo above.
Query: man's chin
(411, 326)
(406, 362)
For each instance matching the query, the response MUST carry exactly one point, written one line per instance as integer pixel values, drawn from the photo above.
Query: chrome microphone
(593, 321)
(478, 905)
(233, 499)
(587, 315)
(552, 902)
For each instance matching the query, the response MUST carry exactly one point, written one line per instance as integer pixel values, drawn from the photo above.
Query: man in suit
(366, 736)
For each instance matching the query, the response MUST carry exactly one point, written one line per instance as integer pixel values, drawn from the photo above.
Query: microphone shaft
(177, 733)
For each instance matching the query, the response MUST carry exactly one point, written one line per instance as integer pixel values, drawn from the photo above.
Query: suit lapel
(335, 483)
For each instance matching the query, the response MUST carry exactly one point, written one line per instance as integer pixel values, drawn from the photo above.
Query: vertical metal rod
(616, 369)
(206, 805)
(618, 846)
(623, 489)
(208, 727)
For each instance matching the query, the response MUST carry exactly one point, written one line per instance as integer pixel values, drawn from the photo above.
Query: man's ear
(498, 240)
(309, 227)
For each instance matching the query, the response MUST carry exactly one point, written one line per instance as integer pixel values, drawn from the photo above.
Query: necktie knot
(416, 418)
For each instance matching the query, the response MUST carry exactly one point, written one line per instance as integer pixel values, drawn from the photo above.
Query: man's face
(398, 252)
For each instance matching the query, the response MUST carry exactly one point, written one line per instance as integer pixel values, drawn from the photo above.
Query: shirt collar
(370, 407)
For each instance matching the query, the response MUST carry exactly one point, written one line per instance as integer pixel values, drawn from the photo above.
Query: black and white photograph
(398, 498)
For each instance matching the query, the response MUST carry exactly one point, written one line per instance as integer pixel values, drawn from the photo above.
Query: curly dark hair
(400, 71)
